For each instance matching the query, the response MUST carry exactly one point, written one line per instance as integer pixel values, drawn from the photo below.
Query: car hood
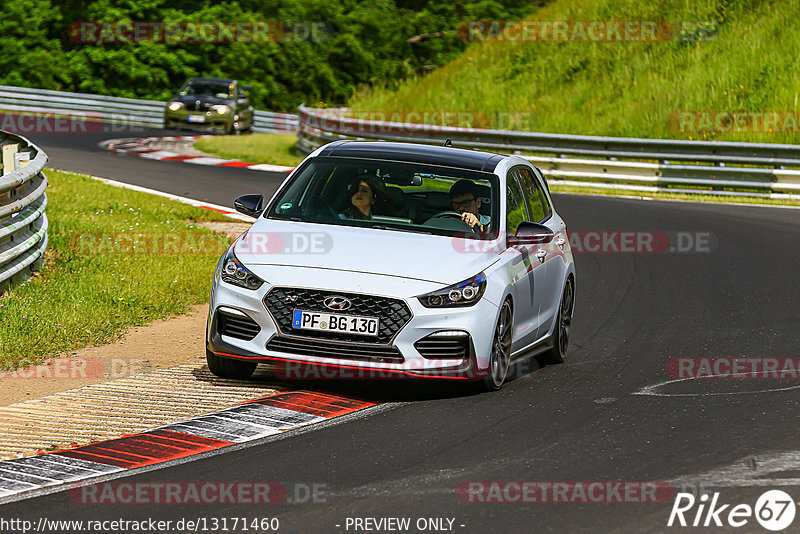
(205, 99)
(430, 258)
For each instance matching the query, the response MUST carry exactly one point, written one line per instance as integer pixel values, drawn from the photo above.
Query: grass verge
(116, 258)
(272, 148)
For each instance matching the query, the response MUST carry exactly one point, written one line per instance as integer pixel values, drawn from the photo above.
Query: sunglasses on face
(462, 203)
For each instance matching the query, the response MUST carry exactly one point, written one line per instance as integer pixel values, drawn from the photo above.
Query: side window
(537, 200)
(515, 204)
(546, 200)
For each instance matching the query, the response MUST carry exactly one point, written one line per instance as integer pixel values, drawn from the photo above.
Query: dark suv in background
(212, 105)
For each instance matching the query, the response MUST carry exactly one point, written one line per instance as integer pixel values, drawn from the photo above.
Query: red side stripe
(310, 402)
(178, 158)
(210, 443)
(235, 164)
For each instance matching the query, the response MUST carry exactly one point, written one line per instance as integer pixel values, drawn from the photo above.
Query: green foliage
(363, 43)
(734, 56)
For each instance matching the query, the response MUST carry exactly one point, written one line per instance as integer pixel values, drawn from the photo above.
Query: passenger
(465, 200)
(368, 192)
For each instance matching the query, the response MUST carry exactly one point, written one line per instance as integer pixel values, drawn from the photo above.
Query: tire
(229, 368)
(500, 355)
(563, 326)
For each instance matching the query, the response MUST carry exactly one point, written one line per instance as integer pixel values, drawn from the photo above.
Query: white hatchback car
(382, 259)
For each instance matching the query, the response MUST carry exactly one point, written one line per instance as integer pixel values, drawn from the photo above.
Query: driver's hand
(471, 220)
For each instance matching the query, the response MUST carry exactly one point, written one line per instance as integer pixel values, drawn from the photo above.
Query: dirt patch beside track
(161, 344)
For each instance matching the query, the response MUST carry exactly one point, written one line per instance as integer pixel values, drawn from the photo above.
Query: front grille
(330, 349)
(393, 314)
(237, 326)
(444, 347)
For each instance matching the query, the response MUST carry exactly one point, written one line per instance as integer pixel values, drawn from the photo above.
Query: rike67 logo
(774, 510)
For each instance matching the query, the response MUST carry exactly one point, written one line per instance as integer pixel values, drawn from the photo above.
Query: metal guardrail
(23, 223)
(114, 109)
(708, 167)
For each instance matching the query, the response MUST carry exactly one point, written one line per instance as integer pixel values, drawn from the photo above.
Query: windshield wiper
(384, 227)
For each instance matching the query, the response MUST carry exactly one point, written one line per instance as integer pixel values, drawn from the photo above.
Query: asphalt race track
(80, 153)
(580, 421)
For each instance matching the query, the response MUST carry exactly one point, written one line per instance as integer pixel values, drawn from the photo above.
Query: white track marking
(190, 201)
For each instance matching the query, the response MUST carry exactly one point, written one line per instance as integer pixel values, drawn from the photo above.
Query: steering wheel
(453, 215)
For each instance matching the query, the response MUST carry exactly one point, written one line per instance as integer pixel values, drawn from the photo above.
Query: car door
(527, 272)
(551, 254)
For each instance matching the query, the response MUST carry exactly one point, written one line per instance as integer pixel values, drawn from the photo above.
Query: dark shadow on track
(377, 390)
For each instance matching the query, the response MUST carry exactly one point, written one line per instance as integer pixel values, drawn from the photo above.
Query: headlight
(175, 106)
(465, 293)
(237, 274)
(221, 109)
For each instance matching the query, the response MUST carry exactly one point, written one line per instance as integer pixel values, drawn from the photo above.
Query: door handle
(561, 243)
(541, 253)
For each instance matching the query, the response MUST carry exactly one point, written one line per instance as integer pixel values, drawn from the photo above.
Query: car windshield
(390, 195)
(220, 90)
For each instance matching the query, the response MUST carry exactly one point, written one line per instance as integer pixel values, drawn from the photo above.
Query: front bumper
(212, 121)
(423, 322)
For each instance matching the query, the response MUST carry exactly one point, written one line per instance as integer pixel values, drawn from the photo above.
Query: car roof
(415, 153)
(218, 80)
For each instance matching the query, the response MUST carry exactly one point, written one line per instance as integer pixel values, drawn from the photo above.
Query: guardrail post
(9, 151)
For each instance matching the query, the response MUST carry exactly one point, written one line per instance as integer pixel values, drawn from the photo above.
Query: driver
(465, 200)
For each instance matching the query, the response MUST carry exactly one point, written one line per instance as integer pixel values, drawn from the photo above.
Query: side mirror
(252, 205)
(531, 233)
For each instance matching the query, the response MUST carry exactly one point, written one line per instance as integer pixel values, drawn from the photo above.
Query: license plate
(332, 322)
(196, 118)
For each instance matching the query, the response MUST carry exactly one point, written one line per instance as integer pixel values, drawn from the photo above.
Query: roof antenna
(447, 142)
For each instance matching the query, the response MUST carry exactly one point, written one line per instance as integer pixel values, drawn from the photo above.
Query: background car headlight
(237, 274)
(221, 109)
(175, 106)
(465, 293)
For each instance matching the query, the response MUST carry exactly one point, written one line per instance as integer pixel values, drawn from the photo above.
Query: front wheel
(563, 326)
(229, 368)
(500, 357)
